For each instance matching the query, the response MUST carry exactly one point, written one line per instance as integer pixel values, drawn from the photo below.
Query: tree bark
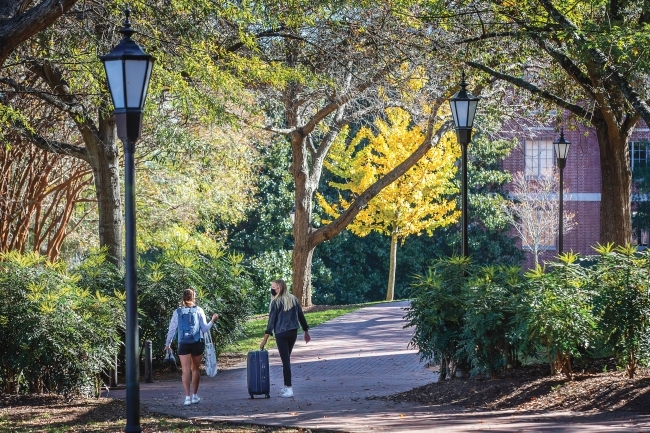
(616, 189)
(302, 250)
(104, 160)
(18, 24)
(390, 292)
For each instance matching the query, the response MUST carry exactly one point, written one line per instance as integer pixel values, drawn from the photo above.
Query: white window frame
(639, 153)
(539, 158)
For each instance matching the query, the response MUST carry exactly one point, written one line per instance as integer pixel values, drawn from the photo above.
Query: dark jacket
(281, 321)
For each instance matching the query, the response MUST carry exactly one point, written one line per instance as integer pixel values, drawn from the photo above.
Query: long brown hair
(188, 298)
(284, 296)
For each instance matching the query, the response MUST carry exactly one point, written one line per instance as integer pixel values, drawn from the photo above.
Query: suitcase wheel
(252, 396)
(268, 396)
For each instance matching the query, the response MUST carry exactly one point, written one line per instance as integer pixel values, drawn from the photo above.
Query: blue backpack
(188, 325)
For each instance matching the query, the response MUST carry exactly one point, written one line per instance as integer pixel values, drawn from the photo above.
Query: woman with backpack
(285, 315)
(190, 321)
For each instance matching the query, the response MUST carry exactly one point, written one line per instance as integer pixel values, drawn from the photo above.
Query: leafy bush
(622, 281)
(57, 334)
(558, 311)
(221, 287)
(436, 312)
(490, 303)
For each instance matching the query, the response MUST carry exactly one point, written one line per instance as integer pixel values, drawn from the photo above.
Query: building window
(539, 158)
(639, 154)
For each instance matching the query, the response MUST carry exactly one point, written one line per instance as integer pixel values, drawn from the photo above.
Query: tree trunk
(302, 249)
(301, 279)
(615, 213)
(104, 160)
(390, 293)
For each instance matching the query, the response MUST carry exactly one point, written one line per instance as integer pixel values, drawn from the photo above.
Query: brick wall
(582, 187)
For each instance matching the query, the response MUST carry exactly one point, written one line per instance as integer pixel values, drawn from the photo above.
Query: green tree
(580, 59)
(416, 202)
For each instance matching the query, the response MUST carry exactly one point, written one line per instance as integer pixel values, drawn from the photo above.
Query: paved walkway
(361, 354)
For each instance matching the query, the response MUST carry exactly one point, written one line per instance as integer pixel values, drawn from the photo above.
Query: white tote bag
(210, 355)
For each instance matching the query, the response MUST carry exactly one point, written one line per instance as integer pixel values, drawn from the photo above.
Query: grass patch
(254, 329)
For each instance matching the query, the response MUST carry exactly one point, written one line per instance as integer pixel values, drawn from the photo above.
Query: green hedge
(61, 327)
(57, 335)
(491, 318)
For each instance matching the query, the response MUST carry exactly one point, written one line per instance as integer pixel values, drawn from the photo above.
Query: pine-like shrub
(436, 312)
(558, 311)
(490, 302)
(621, 279)
(57, 335)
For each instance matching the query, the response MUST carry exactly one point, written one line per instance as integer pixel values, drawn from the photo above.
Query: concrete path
(361, 354)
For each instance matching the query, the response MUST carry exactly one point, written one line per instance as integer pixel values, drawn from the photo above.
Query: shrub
(221, 287)
(57, 334)
(558, 311)
(490, 301)
(621, 279)
(436, 312)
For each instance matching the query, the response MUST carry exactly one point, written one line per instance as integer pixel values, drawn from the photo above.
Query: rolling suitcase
(257, 373)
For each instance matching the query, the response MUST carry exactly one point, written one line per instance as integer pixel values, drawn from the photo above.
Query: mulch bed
(532, 389)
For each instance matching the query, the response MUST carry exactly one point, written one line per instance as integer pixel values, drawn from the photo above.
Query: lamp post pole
(132, 338)
(128, 69)
(463, 108)
(561, 151)
(464, 217)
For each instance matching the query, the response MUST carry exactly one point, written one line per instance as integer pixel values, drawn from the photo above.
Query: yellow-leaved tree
(420, 200)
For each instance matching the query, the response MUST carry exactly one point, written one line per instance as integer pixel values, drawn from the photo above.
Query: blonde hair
(188, 298)
(283, 295)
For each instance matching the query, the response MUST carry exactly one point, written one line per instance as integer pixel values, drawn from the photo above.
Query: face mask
(274, 292)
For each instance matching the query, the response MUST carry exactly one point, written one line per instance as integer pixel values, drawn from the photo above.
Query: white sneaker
(195, 399)
(287, 392)
(188, 401)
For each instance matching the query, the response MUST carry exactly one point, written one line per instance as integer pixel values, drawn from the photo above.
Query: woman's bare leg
(196, 373)
(186, 366)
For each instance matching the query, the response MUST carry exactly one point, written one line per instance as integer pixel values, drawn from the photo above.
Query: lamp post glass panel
(128, 69)
(561, 152)
(292, 215)
(463, 108)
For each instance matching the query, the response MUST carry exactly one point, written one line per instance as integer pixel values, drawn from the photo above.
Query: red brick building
(582, 180)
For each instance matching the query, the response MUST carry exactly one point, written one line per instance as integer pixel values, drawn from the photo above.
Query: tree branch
(600, 58)
(344, 99)
(52, 145)
(575, 109)
(45, 96)
(17, 27)
(567, 64)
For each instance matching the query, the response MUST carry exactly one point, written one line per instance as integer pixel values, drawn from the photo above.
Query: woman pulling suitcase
(285, 316)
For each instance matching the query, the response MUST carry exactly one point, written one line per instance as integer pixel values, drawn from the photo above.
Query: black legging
(285, 341)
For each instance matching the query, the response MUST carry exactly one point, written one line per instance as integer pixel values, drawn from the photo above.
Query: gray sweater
(281, 321)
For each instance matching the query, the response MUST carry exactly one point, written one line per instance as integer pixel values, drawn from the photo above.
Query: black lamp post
(561, 152)
(463, 107)
(128, 69)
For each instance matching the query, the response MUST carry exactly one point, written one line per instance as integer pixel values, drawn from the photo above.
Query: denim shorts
(194, 349)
